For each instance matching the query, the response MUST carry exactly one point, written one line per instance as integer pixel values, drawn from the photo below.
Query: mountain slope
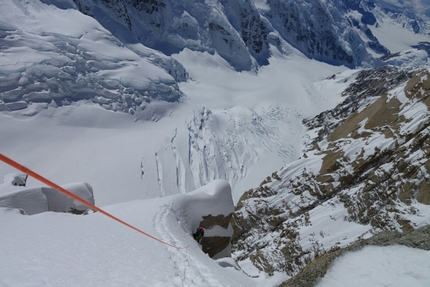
(409, 30)
(93, 250)
(244, 32)
(365, 170)
(77, 59)
(84, 101)
(121, 73)
(125, 110)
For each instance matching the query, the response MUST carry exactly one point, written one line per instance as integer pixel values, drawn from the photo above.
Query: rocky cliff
(365, 169)
(243, 32)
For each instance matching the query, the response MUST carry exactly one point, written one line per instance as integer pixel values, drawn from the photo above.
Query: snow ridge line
(46, 181)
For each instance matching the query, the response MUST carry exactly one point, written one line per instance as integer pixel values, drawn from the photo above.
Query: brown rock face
(216, 246)
(367, 164)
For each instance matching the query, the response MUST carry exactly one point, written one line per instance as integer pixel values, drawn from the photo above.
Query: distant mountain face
(244, 31)
(170, 26)
(365, 170)
(409, 18)
(413, 14)
(65, 63)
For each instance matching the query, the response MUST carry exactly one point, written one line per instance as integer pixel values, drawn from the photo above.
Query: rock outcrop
(216, 244)
(211, 207)
(366, 170)
(243, 32)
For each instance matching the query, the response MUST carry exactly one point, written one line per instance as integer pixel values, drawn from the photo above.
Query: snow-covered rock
(365, 169)
(211, 207)
(409, 58)
(60, 202)
(15, 179)
(13, 195)
(240, 31)
(380, 255)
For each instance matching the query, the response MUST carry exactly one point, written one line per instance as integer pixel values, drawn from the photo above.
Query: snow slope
(234, 126)
(62, 249)
(388, 29)
(379, 266)
(58, 249)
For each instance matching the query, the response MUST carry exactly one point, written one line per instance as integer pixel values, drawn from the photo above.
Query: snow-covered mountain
(365, 170)
(127, 64)
(75, 62)
(243, 32)
(214, 125)
(55, 56)
(318, 108)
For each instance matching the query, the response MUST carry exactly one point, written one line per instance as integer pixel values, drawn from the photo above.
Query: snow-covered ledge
(14, 195)
(211, 207)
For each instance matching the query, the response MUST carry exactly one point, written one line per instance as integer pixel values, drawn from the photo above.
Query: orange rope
(77, 198)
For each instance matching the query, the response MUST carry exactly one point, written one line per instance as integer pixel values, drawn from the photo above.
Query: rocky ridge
(243, 32)
(365, 170)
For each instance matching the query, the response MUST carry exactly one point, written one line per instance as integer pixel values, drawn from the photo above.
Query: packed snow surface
(60, 249)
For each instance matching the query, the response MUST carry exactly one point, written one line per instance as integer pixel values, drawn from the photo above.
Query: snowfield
(62, 249)
(161, 141)
(58, 249)
(130, 140)
(394, 266)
